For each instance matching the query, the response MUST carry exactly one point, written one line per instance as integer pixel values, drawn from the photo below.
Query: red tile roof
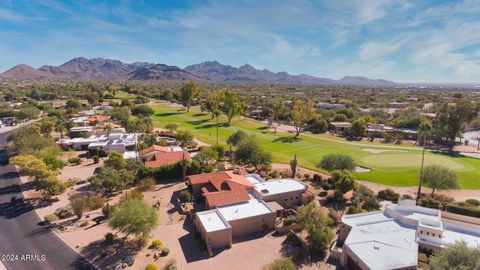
(162, 159)
(219, 193)
(204, 178)
(98, 118)
(154, 148)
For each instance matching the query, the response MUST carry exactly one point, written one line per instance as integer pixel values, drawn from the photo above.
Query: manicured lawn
(390, 164)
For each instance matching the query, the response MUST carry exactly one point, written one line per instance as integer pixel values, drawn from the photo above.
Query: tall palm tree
(424, 129)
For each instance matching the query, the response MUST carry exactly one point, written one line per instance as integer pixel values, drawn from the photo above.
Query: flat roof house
(391, 239)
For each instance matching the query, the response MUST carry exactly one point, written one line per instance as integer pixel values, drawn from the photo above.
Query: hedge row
(463, 210)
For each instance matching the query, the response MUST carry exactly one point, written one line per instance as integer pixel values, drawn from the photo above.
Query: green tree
(237, 137)
(232, 105)
(47, 125)
(343, 181)
(301, 114)
(213, 102)
(358, 128)
(337, 161)
(184, 137)
(249, 152)
(172, 127)
(35, 168)
(115, 161)
(110, 180)
(317, 223)
(438, 177)
(451, 119)
(188, 92)
(73, 104)
(134, 216)
(143, 110)
(457, 256)
(77, 202)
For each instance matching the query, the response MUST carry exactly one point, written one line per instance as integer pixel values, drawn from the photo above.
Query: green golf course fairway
(389, 164)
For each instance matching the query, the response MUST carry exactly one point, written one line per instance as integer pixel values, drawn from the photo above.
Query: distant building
(110, 143)
(339, 127)
(326, 105)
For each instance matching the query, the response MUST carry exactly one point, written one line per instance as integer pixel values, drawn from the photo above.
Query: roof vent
(264, 191)
(376, 247)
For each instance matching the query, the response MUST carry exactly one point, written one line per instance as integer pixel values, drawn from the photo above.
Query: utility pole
(419, 191)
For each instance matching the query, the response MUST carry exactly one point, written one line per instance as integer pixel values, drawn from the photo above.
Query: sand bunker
(380, 151)
(361, 169)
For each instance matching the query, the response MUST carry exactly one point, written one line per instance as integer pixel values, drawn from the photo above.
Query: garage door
(245, 227)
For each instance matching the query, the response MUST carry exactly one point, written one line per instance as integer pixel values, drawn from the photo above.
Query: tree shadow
(107, 257)
(197, 122)
(263, 128)
(211, 125)
(200, 114)
(167, 114)
(287, 139)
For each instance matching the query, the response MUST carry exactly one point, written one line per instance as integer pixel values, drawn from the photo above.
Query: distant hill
(25, 72)
(107, 69)
(248, 74)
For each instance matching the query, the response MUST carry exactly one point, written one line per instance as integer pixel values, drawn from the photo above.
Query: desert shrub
(131, 194)
(84, 223)
(334, 215)
(388, 195)
(317, 178)
(165, 251)
(185, 196)
(473, 202)
(146, 183)
(442, 198)
(151, 266)
(64, 212)
(94, 202)
(96, 159)
(289, 220)
(306, 176)
(171, 265)
(422, 257)
(326, 185)
(281, 264)
(354, 210)
(371, 204)
(75, 160)
(109, 238)
(107, 210)
(430, 203)
(156, 244)
(273, 174)
(71, 182)
(50, 218)
(465, 209)
(407, 197)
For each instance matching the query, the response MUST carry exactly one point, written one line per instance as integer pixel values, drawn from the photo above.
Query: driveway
(23, 243)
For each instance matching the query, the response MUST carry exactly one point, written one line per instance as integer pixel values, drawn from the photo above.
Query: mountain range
(107, 69)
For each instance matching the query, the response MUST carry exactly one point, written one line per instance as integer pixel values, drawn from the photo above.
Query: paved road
(23, 243)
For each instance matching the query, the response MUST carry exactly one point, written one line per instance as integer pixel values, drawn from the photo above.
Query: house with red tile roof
(198, 181)
(223, 192)
(166, 158)
(152, 150)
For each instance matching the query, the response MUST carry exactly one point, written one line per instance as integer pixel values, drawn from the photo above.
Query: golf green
(389, 164)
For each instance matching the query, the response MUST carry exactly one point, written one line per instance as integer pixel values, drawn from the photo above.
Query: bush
(171, 265)
(156, 244)
(354, 210)
(466, 210)
(422, 257)
(473, 202)
(165, 251)
(185, 196)
(64, 212)
(281, 264)
(407, 197)
(107, 210)
(71, 182)
(208, 169)
(131, 194)
(96, 159)
(430, 203)
(289, 220)
(306, 176)
(97, 152)
(75, 160)
(109, 238)
(317, 178)
(146, 183)
(50, 218)
(94, 202)
(371, 204)
(151, 266)
(388, 195)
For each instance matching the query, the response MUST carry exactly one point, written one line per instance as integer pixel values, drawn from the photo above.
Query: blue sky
(400, 40)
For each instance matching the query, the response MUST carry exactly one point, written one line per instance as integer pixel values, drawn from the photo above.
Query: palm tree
(424, 129)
